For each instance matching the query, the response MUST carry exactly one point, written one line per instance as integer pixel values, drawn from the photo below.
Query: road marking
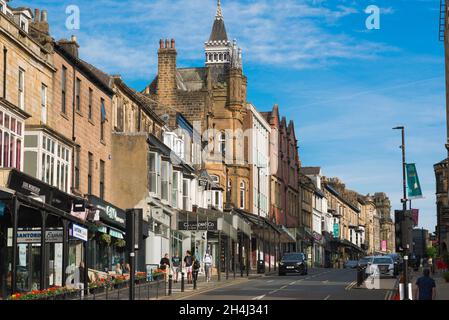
(274, 291)
(213, 288)
(292, 283)
(283, 287)
(327, 298)
(325, 281)
(270, 281)
(351, 285)
(259, 297)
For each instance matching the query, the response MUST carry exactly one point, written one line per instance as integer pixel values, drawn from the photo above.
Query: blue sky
(343, 85)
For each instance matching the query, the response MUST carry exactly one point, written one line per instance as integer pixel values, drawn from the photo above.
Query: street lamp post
(404, 208)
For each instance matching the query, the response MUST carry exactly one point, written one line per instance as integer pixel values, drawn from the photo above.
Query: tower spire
(219, 14)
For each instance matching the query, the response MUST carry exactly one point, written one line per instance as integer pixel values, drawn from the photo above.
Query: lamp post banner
(414, 187)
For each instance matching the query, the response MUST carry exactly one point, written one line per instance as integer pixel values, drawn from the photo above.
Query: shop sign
(108, 211)
(336, 230)
(29, 236)
(384, 246)
(79, 232)
(200, 225)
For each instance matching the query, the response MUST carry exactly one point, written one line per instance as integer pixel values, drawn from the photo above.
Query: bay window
(186, 194)
(165, 180)
(47, 159)
(175, 189)
(11, 140)
(154, 173)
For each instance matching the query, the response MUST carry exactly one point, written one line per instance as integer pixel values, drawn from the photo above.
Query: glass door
(28, 267)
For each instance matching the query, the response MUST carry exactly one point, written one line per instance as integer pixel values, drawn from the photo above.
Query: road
(319, 284)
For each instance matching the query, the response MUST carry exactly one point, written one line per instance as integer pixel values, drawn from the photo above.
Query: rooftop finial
(219, 14)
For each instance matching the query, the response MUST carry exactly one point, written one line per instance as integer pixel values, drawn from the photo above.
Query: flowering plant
(119, 279)
(141, 275)
(100, 283)
(39, 294)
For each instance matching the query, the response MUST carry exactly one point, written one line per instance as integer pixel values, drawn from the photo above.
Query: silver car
(381, 266)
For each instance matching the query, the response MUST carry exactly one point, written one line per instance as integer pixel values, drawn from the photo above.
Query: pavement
(318, 284)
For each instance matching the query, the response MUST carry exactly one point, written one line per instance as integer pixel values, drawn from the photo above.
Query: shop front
(107, 243)
(42, 242)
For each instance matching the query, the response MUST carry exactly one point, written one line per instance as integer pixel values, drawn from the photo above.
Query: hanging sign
(79, 232)
(414, 187)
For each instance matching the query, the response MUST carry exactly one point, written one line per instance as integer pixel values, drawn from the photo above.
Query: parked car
(365, 261)
(293, 263)
(351, 264)
(384, 265)
(398, 261)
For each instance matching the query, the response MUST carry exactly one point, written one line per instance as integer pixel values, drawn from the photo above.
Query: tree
(432, 252)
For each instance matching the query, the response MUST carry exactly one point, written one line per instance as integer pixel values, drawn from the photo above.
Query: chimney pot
(36, 15)
(44, 16)
(167, 44)
(74, 38)
(161, 44)
(172, 43)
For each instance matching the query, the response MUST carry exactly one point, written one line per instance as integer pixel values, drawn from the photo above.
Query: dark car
(363, 263)
(351, 264)
(398, 261)
(293, 263)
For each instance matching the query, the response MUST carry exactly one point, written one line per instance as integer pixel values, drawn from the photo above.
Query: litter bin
(260, 266)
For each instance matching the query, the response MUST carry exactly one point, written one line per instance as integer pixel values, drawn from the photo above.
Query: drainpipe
(5, 56)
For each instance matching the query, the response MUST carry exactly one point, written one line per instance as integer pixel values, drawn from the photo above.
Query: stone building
(442, 178)
(387, 229)
(284, 167)
(213, 98)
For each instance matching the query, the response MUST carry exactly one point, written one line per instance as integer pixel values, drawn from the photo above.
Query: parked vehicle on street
(351, 264)
(383, 265)
(398, 261)
(363, 263)
(293, 263)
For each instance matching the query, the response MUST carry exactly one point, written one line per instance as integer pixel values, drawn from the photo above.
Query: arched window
(215, 56)
(222, 142)
(242, 195)
(221, 57)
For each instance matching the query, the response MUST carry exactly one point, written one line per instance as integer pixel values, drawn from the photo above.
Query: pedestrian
(188, 261)
(165, 266)
(425, 287)
(195, 268)
(208, 265)
(118, 269)
(176, 264)
(81, 278)
(127, 269)
(430, 263)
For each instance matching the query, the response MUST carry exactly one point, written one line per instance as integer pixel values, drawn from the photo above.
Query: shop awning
(286, 236)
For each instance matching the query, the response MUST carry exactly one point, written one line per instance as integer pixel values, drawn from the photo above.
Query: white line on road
(351, 285)
(270, 281)
(325, 281)
(292, 283)
(259, 297)
(327, 298)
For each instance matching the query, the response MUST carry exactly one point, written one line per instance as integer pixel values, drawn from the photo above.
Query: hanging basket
(106, 239)
(120, 243)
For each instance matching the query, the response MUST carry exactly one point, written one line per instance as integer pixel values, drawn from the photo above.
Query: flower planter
(120, 285)
(71, 295)
(97, 290)
(140, 281)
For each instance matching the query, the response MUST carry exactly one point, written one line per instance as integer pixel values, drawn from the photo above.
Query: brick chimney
(166, 81)
(71, 46)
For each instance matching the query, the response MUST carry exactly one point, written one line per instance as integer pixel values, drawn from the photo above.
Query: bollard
(170, 284)
(195, 276)
(182, 281)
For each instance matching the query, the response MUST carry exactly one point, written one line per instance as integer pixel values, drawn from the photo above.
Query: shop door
(54, 264)
(28, 267)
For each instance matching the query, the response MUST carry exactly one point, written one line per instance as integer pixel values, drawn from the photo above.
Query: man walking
(425, 287)
(176, 264)
(188, 261)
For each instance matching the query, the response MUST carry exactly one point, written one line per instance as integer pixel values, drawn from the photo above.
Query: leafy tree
(432, 252)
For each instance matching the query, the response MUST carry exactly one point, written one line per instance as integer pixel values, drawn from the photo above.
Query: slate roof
(310, 170)
(218, 31)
